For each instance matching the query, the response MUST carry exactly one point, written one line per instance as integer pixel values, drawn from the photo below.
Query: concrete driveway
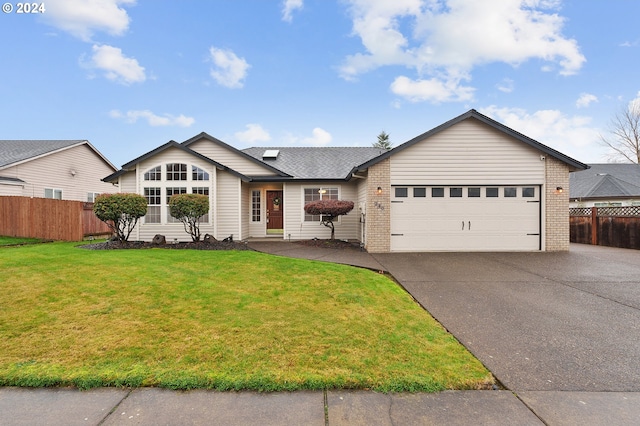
(539, 321)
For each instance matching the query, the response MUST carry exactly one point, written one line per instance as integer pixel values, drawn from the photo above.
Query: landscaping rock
(159, 240)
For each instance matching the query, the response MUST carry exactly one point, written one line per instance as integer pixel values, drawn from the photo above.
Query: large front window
(316, 194)
(169, 179)
(153, 205)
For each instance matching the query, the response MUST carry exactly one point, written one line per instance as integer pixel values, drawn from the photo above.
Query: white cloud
(585, 100)
(82, 18)
(570, 135)
(153, 119)
(288, 7)
(229, 70)
(115, 65)
(506, 85)
(432, 90)
(448, 38)
(255, 133)
(319, 137)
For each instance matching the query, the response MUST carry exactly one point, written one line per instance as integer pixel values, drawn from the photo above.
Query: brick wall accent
(378, 218)
(556, 206)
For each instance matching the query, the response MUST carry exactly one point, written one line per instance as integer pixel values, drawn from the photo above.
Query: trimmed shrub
(188, 209)
(120, 212)
(328, 211)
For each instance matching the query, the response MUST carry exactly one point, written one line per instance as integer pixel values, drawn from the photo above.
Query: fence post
(594, 226)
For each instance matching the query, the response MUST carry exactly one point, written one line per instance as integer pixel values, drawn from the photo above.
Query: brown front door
(274, 209)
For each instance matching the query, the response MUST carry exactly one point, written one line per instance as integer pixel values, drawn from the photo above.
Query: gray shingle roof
(14, 151)
(606, 181)
(316, 163)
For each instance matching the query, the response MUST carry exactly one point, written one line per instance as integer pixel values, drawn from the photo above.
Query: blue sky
(130, 75)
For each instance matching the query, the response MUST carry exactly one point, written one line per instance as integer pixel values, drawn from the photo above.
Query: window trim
(318, 188)
(256, 208)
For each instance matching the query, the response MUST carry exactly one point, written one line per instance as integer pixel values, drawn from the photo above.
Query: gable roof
(14, 152)
(311, 163)
(606, 181)
(171, 144)
(204, 135)
(488, 121)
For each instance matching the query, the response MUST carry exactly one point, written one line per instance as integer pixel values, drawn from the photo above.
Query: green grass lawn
(8, 241)
(225, 320)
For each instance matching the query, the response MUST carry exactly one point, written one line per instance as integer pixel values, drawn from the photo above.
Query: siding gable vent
(270, 154)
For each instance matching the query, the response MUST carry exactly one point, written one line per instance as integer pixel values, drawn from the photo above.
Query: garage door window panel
(510, 192)
(437, 192)
(528, 192)
(419, 192)
(455, 192)
(491, 192)
(473, 192)
(402, 192)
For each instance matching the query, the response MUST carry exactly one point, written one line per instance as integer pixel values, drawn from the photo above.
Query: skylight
(270, 154)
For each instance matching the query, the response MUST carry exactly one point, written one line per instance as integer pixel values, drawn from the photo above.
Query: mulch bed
(215, 245)
(200, 245)
(332, 244)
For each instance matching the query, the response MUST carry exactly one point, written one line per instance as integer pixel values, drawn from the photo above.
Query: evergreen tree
(383, 141)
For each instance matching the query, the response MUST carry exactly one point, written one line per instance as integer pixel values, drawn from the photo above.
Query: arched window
(199, 174)
(154, 174)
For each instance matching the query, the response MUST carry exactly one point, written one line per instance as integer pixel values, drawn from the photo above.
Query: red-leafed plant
(328, 211)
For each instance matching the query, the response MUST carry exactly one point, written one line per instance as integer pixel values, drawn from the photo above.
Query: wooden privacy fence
(606, 226)
(49, 219)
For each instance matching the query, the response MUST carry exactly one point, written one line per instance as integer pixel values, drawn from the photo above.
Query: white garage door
(465, 218)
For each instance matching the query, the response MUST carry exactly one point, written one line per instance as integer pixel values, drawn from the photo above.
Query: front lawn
(14, 241)
(223, 320)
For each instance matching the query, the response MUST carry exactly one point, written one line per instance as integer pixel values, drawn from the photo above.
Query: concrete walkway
(151, 406)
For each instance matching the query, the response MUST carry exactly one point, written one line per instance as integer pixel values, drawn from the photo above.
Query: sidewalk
(152, 406)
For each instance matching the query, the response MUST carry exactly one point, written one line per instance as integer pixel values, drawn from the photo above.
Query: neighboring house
(606, 185)
(61, 169)
(470, 184)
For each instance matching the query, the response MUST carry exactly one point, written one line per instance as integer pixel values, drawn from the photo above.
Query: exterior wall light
(379, 190)
(559, 190)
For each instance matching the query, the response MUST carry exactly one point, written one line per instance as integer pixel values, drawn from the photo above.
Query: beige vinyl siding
(295, 226)
(245, 207)
(54, 171)
(128, 182)
(468, 153)
(11, 189)
(228, 205)
(229, 158)
(360, 208)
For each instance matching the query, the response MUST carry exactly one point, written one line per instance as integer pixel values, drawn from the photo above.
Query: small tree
(383, 141)
(188, 209)
(120, 212)
(625, 133)
(328, 211)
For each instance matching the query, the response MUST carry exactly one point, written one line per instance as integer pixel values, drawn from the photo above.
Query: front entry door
(274, 210)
